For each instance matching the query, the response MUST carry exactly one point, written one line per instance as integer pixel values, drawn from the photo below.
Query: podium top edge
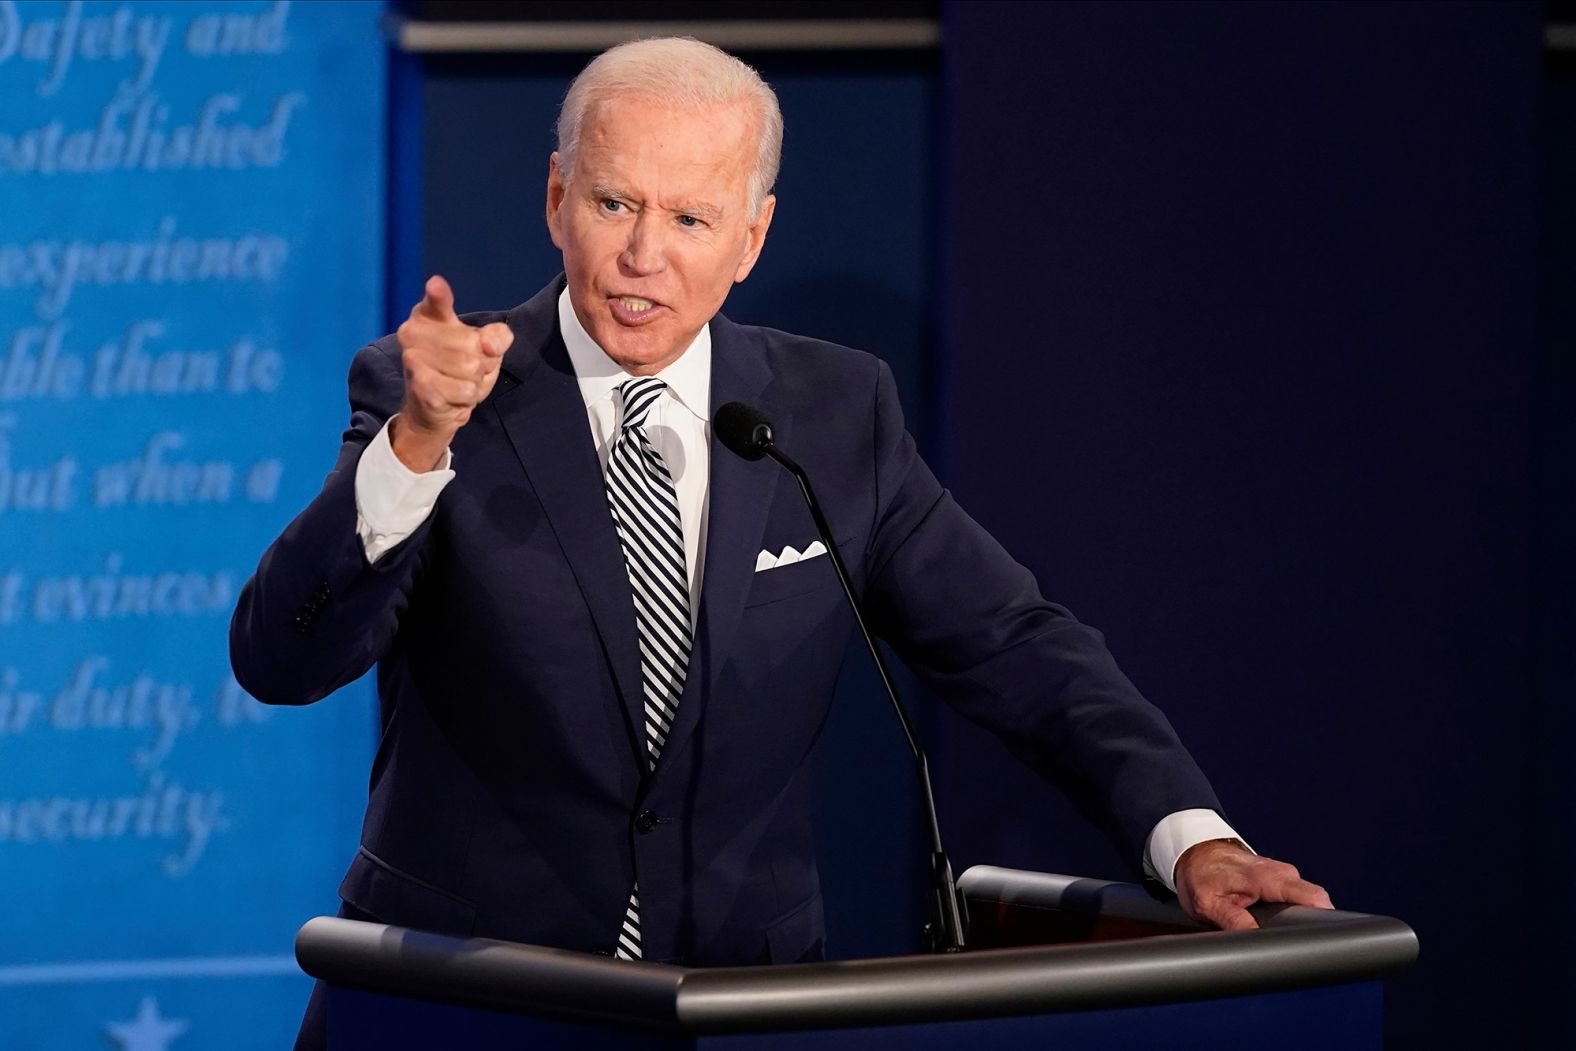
(1295, 947)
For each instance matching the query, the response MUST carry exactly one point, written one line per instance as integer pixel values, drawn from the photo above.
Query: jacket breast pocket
(810, 574)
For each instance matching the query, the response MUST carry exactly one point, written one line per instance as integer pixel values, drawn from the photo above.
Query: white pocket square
(766, 560)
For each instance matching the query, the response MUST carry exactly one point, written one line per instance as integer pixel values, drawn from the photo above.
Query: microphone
(745, 431)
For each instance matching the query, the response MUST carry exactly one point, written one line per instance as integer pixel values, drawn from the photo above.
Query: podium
(1055, 961)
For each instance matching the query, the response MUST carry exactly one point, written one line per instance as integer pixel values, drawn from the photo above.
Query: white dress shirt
(392, 501)
(678, 425)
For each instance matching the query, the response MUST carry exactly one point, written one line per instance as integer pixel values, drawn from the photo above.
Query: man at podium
(605, 645)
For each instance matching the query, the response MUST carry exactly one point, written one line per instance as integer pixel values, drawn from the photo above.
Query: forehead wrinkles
(682, 157)
(716, 119)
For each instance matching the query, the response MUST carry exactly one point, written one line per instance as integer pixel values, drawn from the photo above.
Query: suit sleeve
(316, 614)
(971, 622)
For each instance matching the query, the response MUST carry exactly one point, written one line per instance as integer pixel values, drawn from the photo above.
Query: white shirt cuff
(392, 501)
(1173, 836)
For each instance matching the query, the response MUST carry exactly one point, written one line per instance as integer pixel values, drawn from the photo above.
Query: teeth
(636, 303)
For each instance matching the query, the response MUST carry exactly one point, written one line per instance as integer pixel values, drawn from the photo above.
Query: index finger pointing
(437, 300)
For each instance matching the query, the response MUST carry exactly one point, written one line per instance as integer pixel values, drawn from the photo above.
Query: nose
(646, 252)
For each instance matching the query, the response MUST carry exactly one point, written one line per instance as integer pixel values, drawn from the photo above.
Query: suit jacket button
(646, 822)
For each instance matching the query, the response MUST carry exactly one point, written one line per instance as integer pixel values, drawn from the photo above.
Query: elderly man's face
(654, 224)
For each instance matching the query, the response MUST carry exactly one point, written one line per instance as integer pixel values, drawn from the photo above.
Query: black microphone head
(744, 429)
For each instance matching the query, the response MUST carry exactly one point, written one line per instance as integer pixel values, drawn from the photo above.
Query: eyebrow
(697, 208)
(703, 211)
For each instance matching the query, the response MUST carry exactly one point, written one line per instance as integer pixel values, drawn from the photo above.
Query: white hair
(684, 73)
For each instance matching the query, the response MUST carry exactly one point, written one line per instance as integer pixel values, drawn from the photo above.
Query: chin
(638, 353)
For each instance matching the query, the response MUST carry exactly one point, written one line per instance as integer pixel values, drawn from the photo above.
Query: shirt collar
(688, 377)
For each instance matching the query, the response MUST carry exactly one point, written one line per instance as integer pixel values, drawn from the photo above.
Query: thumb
(496, 338)
(1234, 918)
(437, 300)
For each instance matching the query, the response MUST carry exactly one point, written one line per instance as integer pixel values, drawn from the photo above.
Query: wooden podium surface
(1088, 963)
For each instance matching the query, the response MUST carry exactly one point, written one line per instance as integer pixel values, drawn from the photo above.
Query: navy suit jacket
(510, 796)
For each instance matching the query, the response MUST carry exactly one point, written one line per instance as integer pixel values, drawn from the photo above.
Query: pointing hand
(450, 368)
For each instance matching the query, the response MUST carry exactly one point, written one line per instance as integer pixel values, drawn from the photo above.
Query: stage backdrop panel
(191, 234)
(1284, 267)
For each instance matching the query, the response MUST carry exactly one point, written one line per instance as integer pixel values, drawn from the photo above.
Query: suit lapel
(739, 502)
(539, 404)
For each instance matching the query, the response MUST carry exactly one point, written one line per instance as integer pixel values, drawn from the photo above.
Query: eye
(612, 204)
(689, 220)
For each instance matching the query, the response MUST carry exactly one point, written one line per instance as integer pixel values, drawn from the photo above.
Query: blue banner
(191, 210)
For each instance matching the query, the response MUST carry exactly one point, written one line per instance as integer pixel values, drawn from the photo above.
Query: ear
(556, 192)
(756, 239)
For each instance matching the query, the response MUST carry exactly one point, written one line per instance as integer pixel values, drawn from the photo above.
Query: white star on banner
(146, 1032)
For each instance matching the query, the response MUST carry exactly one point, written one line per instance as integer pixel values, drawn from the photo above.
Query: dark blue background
(1225, 319)
(1274, 268)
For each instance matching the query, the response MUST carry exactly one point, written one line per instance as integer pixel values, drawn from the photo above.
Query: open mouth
(633, 310)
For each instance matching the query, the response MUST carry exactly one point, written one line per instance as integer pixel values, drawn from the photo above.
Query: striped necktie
(645, 509)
